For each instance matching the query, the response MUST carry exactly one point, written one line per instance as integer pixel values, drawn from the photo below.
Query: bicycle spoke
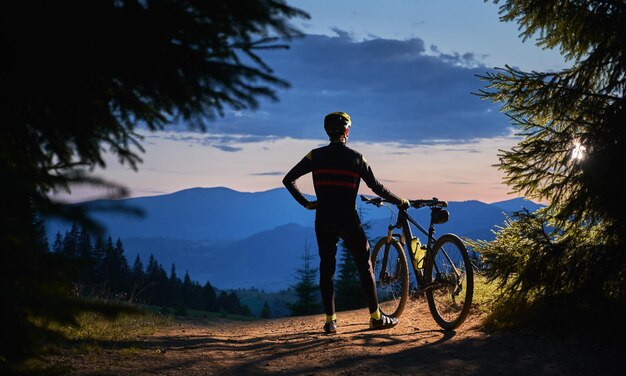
(391, 272)
(450, 294)
(447, 279)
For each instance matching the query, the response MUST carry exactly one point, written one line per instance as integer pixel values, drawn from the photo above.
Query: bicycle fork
(384, 276)
(419, 274)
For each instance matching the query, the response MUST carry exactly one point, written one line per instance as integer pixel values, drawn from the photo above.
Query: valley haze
(239, 240)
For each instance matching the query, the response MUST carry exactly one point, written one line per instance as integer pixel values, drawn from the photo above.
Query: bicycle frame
(403, 222)
(448, 284)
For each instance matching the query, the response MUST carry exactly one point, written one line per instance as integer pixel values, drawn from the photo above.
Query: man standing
(337, 171)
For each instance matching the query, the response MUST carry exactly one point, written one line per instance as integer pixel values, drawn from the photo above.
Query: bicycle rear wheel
(449, 281)
(392, 278)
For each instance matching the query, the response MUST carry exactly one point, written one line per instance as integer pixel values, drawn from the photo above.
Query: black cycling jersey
(337, 171)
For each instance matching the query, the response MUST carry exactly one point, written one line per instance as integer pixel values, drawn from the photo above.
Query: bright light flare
(578, 152)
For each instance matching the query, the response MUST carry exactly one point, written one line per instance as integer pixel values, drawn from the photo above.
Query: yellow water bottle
(418, 253)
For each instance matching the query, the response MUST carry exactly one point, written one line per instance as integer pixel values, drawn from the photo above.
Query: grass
(96, 334)
(96, 327)
(90, 335)
(484, 293)
(563, 313)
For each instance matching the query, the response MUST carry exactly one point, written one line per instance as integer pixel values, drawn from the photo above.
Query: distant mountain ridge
(516, 204)
(241, 239)
(203, 214)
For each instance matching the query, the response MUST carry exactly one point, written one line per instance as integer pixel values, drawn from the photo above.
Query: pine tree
(229, 302)
(70, 242)
(137, 281)
(99, 274)
(191, 292)
(187, 290)
(266, 313)
(42, 236)
(121, 257)
(31, 279)
(137, 269)
(222, 302)
(307, 290)
(163, 63)
(196, 296)
(572, 127)
(209, 298)
(84, 246)
(115, 270)
(85, 255)
(152, 279)
(175, 288)
(160, 286)
(57, 246)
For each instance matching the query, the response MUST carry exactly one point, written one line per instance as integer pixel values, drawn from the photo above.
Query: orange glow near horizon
(177, 161)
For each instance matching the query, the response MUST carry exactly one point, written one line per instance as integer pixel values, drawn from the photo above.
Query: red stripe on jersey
(337, 183)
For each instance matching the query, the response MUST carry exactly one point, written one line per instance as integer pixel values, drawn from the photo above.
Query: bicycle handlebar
(434, 202)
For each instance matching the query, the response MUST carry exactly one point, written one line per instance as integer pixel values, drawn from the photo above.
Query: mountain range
(254, 239)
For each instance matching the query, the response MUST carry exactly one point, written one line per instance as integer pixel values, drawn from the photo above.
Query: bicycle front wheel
(449, 281)
(391, 275)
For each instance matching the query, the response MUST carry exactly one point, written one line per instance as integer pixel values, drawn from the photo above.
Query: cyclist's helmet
(337, 124)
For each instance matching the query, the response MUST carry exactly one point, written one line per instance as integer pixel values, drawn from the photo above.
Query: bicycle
(441, 267)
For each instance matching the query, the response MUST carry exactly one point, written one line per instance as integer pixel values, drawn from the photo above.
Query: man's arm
(368, 177)
(303, 167)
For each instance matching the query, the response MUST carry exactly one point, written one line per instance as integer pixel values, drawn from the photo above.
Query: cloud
(394, 90)
(269, 173)
(227, 148)
(222, 142)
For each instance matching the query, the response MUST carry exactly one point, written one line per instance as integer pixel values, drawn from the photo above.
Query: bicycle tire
(392, 287)
(450, 293)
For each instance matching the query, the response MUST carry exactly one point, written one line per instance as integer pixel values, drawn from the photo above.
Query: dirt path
(297, 346)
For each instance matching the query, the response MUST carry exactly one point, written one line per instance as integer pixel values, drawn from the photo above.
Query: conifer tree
(571, 124)
(121, 256)
(196, 296)
(114, 268)
(306, 288)
(137, 281)
(152, 279)
(266, 313)
(70, 242)
(57, 246)
(22, 304)
(187, 290)
(174, 291)
(229, 302)
(158, 282)
(84, 246)
(43, 237)
(210, 298)
(162, 63)
(85, 257)
(99, 252)
(137, 269)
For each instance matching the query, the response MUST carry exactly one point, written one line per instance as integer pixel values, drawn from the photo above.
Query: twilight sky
(404, 70)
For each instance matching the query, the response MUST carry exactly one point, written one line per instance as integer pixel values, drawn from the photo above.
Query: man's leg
(358, 246)
(356, 242)
(327, 245)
